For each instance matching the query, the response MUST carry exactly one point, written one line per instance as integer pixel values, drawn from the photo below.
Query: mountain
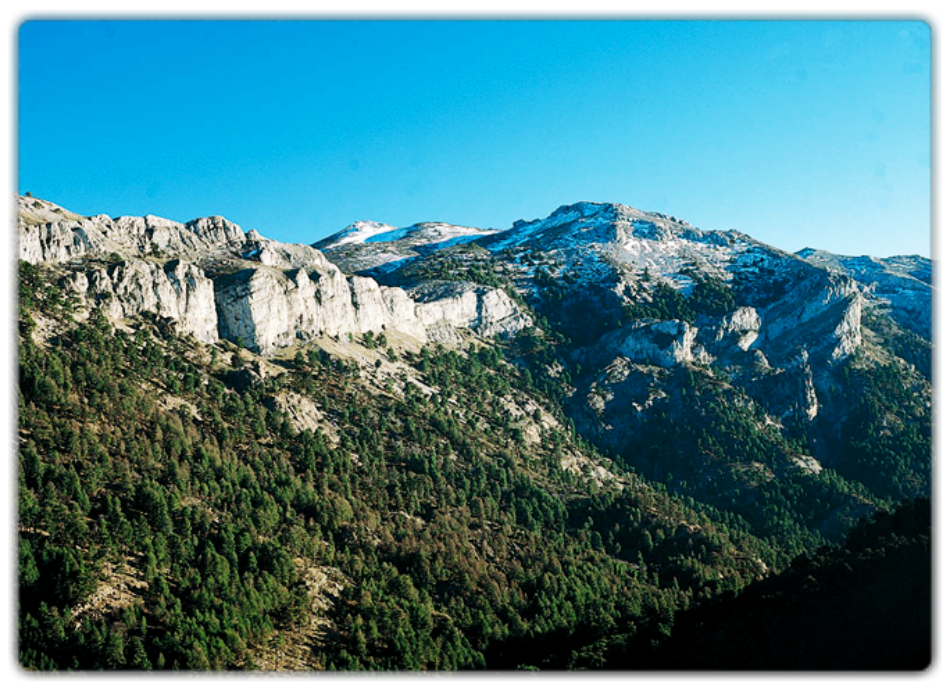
(441, 447)
(401, 244)
(661, 330)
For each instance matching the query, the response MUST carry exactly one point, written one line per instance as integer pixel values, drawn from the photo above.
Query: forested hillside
(172, 516)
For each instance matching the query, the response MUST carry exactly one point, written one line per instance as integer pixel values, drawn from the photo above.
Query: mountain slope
(465, 448)
(654, 330)
(197, 506)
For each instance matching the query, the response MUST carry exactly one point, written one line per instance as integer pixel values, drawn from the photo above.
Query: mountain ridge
(35, 210)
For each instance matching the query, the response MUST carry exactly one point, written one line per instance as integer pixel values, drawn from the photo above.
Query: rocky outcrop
(821, 314)
(383, 307)
(50, 234)
(178, 291)
(487, 311)
(267, 309)
(664, 343)
(789, 393)
(740, 329)
(282, 255)
(193, 239)
(265, 294)
(903, 284)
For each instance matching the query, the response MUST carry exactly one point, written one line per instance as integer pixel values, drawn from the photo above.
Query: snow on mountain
(365, 245)
(581, 236)
(525, 232)
(868, 269)
(427, 233)
(589, 240)
(355, 233)
(436, 234)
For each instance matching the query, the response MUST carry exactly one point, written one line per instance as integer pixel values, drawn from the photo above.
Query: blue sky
(800, 133)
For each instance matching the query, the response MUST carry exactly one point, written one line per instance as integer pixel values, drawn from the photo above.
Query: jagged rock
(265, 294)
(741, 328)
(178, 291)
(798, 319)
(788, 393)
(902, 284)
(809, 464)
(282, 255)
(821, 313)
(664, 343)
(50, 234)
(391, 246)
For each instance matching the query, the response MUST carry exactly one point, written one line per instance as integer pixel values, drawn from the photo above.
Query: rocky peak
(50, 234)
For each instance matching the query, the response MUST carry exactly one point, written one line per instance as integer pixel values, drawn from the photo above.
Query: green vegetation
(441, 515)
(143, 472)
(864, 606)
(719, 452)
(886, 440)
(578, 315)
(710, 295)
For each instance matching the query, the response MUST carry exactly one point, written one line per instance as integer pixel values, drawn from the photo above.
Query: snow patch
(357, 232)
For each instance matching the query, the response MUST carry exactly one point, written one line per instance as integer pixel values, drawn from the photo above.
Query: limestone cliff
(216, 281)
(178, 290)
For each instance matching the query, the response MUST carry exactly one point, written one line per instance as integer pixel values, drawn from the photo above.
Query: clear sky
(800, 133)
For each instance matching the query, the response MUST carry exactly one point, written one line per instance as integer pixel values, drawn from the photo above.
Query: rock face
(488, 311)
(902, 284)
(740, 328)
(224, 283)
(177, 290)
(821, 313)
(663, 343)
(267, 308)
